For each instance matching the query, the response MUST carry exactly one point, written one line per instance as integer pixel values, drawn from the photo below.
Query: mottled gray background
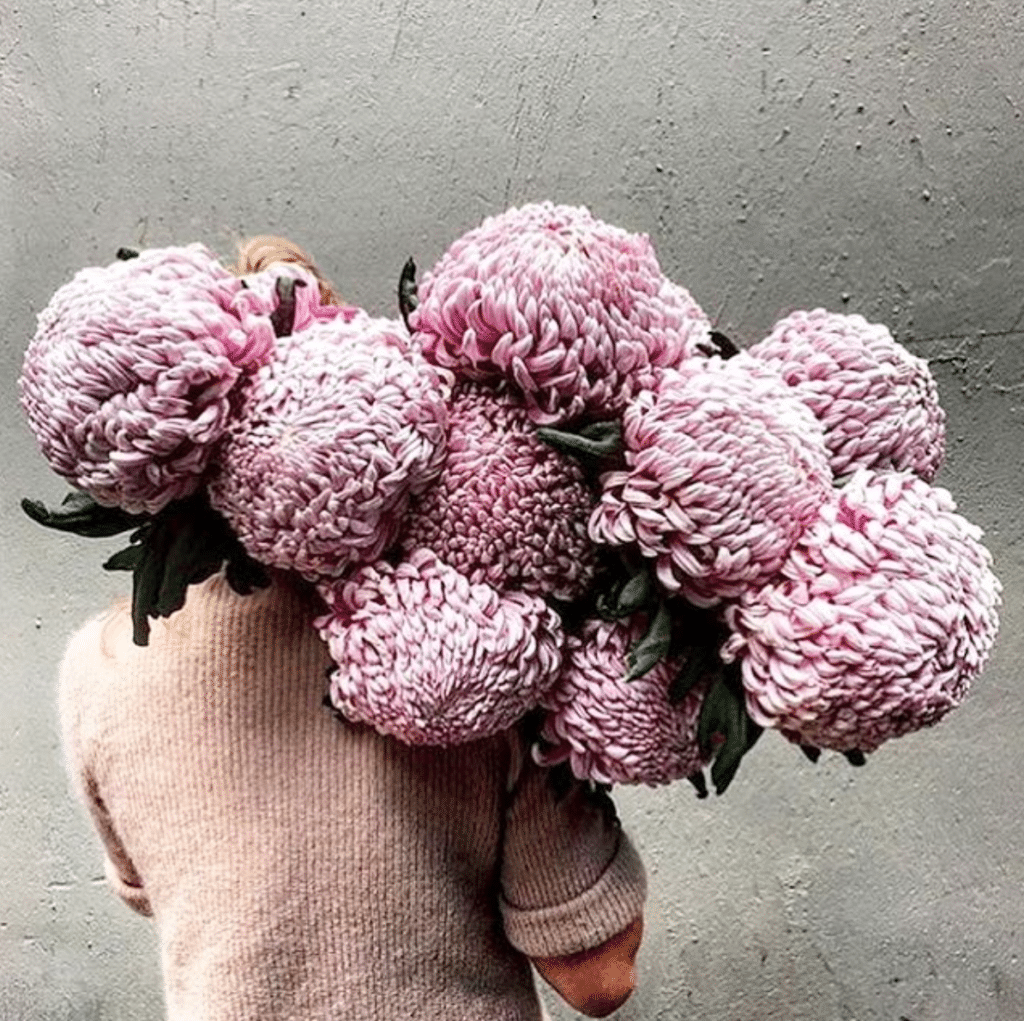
(864, 156)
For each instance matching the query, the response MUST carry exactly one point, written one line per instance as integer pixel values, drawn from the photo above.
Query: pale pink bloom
(507, 509)
(881, 617)
(878, 402)
(428, 657)
(575, 312)
(330, 441)
(613, 730)
(725, 466)
(126, 381)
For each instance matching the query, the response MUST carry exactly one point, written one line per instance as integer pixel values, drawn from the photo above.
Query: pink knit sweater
(297, 866)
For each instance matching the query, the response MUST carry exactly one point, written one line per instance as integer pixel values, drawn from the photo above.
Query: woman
(297, 865)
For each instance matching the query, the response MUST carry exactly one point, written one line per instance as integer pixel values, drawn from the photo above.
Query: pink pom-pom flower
(725, 466)
(126, 383)
(883, 614)
(507, 509)
(428, 657)
(575, 312)
(614, 730)
(878, 402)
(331, 440)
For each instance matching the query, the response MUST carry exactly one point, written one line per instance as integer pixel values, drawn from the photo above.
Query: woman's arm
(597, 981)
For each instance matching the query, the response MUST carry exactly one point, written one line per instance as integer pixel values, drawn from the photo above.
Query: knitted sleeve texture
(81, 748)
(570, 879)
(298, 866)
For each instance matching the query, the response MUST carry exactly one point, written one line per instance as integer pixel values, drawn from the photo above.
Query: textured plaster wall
(861, 155)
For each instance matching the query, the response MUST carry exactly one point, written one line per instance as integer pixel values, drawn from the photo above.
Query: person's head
(263, 250)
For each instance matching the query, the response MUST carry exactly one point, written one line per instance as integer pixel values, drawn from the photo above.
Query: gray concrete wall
(861, 155)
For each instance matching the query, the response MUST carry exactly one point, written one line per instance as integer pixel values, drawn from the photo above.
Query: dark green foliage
(726, 348)
(408, 299)
(283, 317)
(725, 728)
(81, 514)
(623, 588)
(653, 646)
(699, 783)
(597, 447)
(124, 254)
(182, 544)
(635, 594)
(701, 661)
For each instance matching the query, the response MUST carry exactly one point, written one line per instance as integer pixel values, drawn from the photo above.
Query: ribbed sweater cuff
(586, 921)
(134, 896)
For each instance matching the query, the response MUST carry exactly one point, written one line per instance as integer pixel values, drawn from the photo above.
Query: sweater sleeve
(571, 879)
(121, 875)
(82, 659)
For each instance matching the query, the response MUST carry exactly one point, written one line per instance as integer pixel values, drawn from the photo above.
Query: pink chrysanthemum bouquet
(554, 493)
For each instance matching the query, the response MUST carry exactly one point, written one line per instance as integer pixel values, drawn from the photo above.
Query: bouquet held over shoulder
(548, 491)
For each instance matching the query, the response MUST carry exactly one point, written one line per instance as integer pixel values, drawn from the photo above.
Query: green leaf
(607, 601)
(124, 560)
(606, 432)
(283, 317)
(715, 714)
(703, 660)
(602, 444)
(855, 757)
(191, 556)
(182, 544)
(811, 752)
(732, 722)
(408, 299)
(635, 594)
(724, 714)
(82, 515)
(146, 581)
(244, 574)
(186, 542)
(699, 783)
(726, 348)
(654, 645)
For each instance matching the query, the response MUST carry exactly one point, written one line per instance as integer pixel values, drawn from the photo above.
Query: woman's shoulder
(99, 642)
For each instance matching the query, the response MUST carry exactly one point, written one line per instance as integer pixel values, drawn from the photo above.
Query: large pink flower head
(878, 402)
(614, 730)
(575, 312)
(725, 466)
(126, 381)
(507, 509)
(332, 438)
(881, 617)
(426, 656)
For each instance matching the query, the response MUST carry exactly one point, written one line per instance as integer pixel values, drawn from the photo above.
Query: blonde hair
(263, 250)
